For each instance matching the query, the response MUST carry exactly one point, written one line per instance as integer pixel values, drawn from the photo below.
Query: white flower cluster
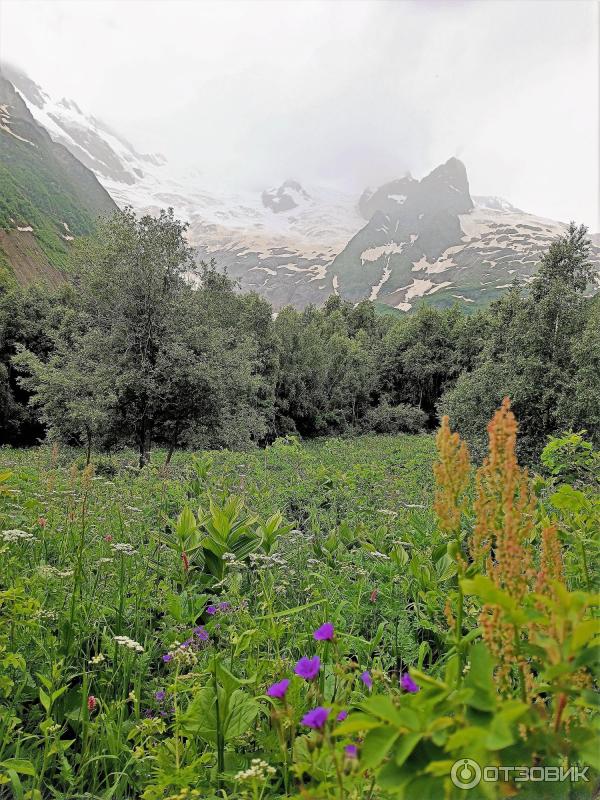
(183, 654)
(377, 554)
(258, 770)
(17, 535)
(48, 571)
(261, 560)
(95, 660)
(123, 547)
(125, 641)
(229, 558)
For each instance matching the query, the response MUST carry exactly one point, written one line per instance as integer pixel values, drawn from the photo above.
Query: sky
(343, 94)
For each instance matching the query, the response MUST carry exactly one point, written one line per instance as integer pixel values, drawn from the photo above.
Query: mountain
(297, 244)
(429, 239)
(47, 196)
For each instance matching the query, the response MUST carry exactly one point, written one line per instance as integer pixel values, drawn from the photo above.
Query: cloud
(346, 93)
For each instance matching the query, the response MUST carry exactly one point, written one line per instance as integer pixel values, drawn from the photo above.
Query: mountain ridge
(294, 244)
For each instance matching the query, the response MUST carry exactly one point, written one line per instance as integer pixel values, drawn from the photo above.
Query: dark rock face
(284, 198)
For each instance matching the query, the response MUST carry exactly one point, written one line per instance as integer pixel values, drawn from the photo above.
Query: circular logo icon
(465, 773)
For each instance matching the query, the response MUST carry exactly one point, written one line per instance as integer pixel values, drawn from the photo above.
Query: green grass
(336, 530)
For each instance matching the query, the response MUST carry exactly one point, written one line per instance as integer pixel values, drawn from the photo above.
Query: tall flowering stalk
(452, 473)
(504, 523)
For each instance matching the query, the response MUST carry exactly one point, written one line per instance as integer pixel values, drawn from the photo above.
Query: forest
(144, 348)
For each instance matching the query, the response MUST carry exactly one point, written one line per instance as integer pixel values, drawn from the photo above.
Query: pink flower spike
(324, 633)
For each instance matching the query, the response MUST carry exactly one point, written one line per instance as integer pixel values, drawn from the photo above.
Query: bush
(386, 418)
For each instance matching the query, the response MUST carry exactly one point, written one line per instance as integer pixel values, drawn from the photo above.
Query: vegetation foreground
(348, 619)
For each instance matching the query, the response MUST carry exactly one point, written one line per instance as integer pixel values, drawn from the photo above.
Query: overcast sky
(342, 93)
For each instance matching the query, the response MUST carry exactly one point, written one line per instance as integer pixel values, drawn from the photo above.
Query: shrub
(386, 418)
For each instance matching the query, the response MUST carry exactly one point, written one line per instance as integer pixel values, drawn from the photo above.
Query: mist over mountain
(296, 244)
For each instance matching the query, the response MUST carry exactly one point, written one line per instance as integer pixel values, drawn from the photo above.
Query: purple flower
(167, 657)
(316, 718)
(342, 716)
(308, 668)
(324, 633)
(201, 633)
(278, 689)
(224, 606)
(367, 680)
(351, 751)
(407, 683)
(186, 644)
(211, 610)
(160, 695)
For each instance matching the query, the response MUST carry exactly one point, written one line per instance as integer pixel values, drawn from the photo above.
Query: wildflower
(225, 606)
(367, 680)
(42, 522)
(108, 538)
(131, 696)
(124, 548)
(201, 633)
(125, 641)
(95, 660)
(186, 561)
(342, 716)
(316, 718)
(308, 668)
(324, 633)
(351, 751)
(258, 770)
(167, 657)
(373, 595)
(15, 535)
(91, 702)
(407, 683)
(211, 610)
(160, 695)
(278, 689)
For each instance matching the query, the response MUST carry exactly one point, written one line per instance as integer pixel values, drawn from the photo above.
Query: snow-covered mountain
(297, 244)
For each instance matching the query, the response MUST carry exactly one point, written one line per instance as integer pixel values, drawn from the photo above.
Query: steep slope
(47, 196)
(428, 239)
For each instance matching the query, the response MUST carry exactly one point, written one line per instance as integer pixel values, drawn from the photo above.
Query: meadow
(345, 618)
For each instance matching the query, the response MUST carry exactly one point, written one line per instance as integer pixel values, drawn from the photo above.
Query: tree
(132, 281)
(533, 353)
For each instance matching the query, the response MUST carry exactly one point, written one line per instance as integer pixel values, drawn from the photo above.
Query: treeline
(144, 348)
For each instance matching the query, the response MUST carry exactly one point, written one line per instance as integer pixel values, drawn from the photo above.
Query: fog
(347, 94)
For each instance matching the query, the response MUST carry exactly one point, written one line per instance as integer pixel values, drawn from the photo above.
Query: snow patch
(374, 253)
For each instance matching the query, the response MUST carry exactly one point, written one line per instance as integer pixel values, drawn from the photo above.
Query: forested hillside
(47, 197)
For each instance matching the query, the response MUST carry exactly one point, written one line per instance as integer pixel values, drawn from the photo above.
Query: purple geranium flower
(167, 657)
(160, 695)
(342, 716)
(308, 668)
(351, 751)
(407, 683)
(225, 606)
(201, 633)
(211, 610)
(367, 680)
(278, 689)
(324, 633)
(316, 718)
